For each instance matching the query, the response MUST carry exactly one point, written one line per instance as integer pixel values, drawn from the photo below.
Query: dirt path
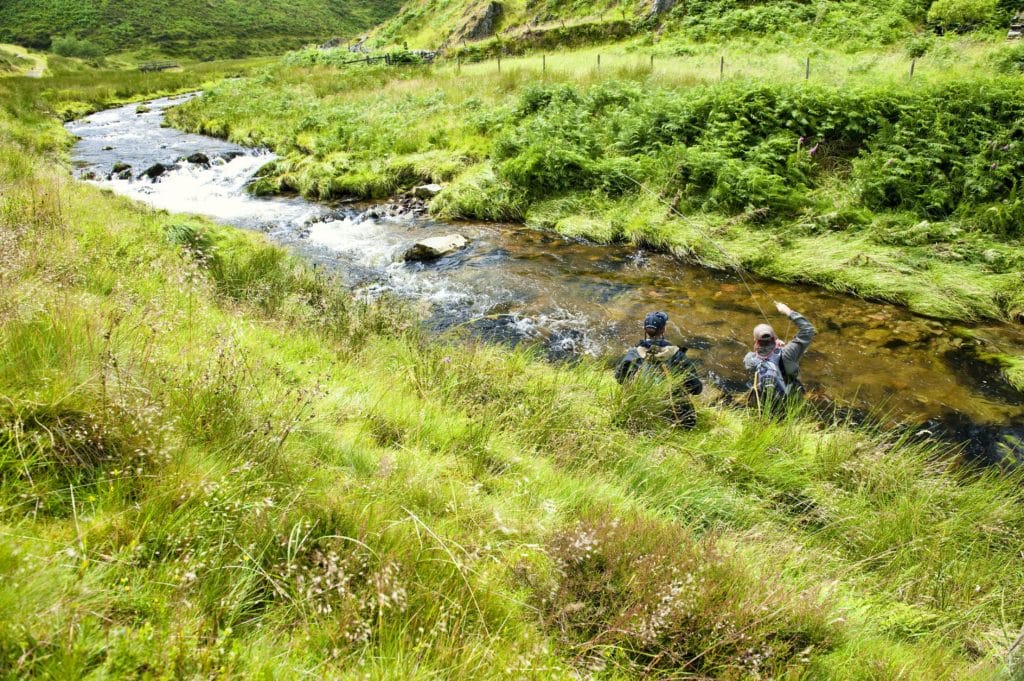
(38, 61)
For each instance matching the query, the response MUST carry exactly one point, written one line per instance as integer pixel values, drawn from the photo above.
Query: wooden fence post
(543, 63)
(598, 62)
(807, 69)
(912, 63)
(721, 67)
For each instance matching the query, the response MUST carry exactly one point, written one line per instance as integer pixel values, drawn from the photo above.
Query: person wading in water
(776, 365)
(658, 359)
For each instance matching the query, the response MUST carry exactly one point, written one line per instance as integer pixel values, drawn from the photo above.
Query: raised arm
(794, 349)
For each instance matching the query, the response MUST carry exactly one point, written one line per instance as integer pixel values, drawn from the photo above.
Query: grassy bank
(213, 462)
(859, 179)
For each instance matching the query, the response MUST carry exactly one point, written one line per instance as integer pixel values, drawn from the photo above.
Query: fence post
(599, 62)
(652, 62)
(543, 63)
(912, 63)
(807, 69)
(721, 67)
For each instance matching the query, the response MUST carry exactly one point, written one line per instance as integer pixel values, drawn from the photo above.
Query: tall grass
(859, 179)
(215, 463)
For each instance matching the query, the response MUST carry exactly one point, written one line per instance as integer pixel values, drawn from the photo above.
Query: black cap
(655, 321)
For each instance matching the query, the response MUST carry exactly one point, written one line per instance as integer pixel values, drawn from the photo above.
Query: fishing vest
(656, 358)
(770, 379)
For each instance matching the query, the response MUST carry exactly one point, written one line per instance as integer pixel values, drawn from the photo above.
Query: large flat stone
(426, 191)
(436, 247)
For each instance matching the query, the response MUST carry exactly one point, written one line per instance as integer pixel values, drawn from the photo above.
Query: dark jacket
(660, 355)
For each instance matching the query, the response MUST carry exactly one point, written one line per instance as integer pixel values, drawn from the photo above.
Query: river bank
(835, 186)
(196, 428)
(574, 297)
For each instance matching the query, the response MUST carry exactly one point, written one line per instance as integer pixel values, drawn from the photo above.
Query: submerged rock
(426, 191)
(199, 159)
(436, 247)
(120, 167)
(156, 170)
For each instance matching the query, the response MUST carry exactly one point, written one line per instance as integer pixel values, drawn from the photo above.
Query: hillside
(852, 24)
(215, 463)
(226, 28)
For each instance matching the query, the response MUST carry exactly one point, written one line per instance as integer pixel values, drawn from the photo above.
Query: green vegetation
(11, 62)
(195, 28)
(849, 25)
(213, 462)
(962, 15)
(858, 180)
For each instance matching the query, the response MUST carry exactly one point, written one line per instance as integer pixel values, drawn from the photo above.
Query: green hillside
(200, 28)
(850, 24)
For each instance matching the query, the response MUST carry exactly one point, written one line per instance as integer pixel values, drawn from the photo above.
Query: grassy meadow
(214, 462)
(859, 177)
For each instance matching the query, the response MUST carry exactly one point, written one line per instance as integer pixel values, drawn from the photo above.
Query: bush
(730, 185)
(962, 15)
(70, 46)
(1010, 60)
(650, 599)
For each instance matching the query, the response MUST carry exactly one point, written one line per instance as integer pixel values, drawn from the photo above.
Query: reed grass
(214, 462)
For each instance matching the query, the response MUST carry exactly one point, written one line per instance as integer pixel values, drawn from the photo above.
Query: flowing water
(514, 284)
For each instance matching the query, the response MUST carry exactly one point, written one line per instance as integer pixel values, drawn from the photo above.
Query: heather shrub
(650, 597)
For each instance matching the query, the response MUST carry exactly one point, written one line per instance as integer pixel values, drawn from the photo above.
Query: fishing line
(736, 264)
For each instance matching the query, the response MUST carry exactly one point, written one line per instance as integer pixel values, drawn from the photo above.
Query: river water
(519, 285)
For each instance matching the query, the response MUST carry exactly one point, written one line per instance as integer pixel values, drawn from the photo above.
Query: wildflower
(994, 166)
(813, 150)
(890, 161)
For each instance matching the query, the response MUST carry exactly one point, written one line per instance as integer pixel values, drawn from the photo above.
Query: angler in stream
(656, 358)
(776, 365)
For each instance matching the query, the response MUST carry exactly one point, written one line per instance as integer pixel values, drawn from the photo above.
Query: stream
(515, 285)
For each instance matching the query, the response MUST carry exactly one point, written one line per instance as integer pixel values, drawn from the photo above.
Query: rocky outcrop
(436, 247)
(659, 7)
(482, 23)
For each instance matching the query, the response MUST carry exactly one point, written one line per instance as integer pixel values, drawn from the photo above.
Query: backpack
(656, 358)
(770, 379)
